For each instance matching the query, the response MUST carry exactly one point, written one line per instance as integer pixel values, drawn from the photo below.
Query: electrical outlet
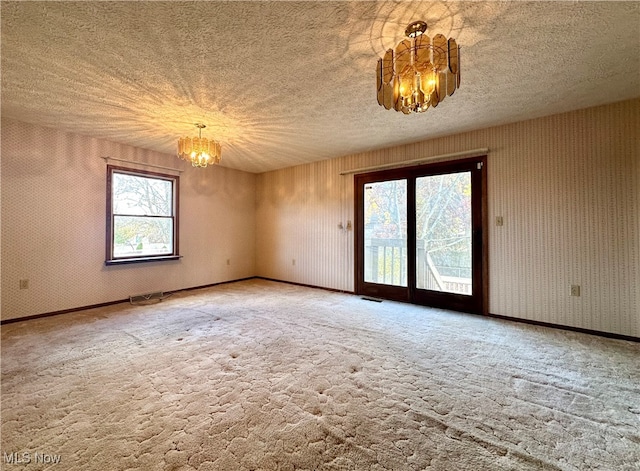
(499, 221)
(228, 261)
(575, 290)
(24, 284)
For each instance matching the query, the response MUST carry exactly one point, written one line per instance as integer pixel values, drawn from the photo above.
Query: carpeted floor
(258, 375)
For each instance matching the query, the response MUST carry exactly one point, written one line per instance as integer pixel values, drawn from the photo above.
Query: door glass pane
(443, 233)
(385, 232)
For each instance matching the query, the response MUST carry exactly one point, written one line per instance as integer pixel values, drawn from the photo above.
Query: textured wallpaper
(53, 223)
(567, 187)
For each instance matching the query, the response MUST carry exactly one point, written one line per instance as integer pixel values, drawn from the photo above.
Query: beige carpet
(262, 375)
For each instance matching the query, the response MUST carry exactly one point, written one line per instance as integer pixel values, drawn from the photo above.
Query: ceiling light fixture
(420, 72)
(199, 151)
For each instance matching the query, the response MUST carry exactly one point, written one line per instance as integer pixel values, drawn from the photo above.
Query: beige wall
(53, 223)
(567, 186)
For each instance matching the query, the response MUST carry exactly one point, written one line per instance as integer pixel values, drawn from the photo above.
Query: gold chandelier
(420, 72)
(199, 151)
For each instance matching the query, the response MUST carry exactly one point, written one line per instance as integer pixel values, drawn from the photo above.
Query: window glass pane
(137, 195)
(142, 236)
(385, 232)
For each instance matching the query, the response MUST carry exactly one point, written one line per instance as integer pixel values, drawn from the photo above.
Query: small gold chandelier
(420, 72)
(199, 151)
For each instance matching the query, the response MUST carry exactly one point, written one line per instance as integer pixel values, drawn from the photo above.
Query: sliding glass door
(420, 234)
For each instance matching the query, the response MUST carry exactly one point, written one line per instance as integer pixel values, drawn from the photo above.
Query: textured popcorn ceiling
(284, 83)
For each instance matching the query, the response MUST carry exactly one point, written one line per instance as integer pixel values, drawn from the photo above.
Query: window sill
(125, 261)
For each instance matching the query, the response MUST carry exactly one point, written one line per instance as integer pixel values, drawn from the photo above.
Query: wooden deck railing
(387, 262)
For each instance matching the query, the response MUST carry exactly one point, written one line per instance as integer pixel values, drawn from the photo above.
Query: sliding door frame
(480, 288)
(396, 293)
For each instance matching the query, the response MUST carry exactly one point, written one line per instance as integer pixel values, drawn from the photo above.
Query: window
(142, 216)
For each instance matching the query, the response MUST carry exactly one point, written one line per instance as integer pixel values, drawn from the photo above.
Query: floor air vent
(369, 298)
(149, 298)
